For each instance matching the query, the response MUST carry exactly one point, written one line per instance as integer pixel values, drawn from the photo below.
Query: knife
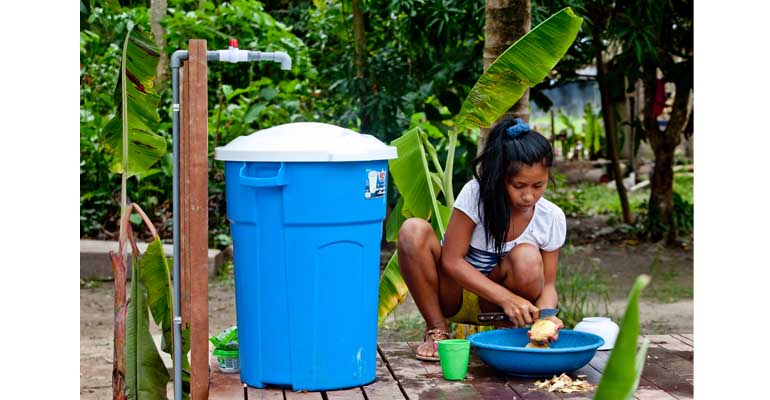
(500, 316)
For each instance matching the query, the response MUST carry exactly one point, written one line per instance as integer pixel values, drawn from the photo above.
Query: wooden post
(193, 214)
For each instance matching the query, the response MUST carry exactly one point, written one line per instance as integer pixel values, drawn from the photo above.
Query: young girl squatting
(501, 247)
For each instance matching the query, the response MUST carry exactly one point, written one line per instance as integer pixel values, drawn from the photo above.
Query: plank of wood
(522, 386)
(668, 342)
(292, 395)
(224, 386)
(261, 394)
(526, 386)
(385, 386)
(410, 373)
(647, 393)
(489, 382)
(195, 215)
(484, 380)
(686, 340)
(347, 394)
(667, 381)
(647, 388)
(688, 336)
(671, 361)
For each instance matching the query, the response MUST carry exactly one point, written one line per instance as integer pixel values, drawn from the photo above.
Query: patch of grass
(683, 184)
(596, 199)
(589, 199)
(226, 272)
(409, 327)
(583, 292)
(669, 294)
(90, 284)
(666, 285)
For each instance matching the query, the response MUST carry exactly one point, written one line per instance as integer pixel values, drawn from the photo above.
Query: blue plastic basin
(503, 349)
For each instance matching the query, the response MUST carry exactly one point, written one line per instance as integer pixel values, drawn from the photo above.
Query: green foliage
(415, 52)
(523, 65)
(583, 292)
(413, 177)
(247, 97)
(684, 214)
(418, 185)
(624, 368)
(136, 121)
(683, 210)
(593, 132)
(146, 375)
(392, 290)
(155, 275)
(589, 199)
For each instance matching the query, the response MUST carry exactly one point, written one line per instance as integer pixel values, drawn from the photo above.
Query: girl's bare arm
(549, 298)
(456, 242)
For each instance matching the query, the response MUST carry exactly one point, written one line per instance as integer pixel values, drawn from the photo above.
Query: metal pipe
(176, 62)
(233, 54)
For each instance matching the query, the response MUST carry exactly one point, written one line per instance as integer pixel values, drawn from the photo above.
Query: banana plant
(146, 375)
(523, 65)
(624, 368)
(130, 137)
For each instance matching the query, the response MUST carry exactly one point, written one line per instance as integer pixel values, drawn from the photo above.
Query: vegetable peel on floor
(563, 384)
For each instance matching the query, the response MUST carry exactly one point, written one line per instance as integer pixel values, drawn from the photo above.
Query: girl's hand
(559, 325)
(520, 311)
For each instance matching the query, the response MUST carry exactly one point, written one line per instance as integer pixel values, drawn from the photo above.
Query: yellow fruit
(542, 329)
(533, 345)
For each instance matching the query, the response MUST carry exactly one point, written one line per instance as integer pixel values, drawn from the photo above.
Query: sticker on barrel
(375, 184)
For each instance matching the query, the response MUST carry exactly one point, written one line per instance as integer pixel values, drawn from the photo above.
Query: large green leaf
(396, 218)
(393, 289)
(621, 376)
(412, 176)
(156, 277)
(445, 213)
(137, 106)
(146, 375)
(523, 65)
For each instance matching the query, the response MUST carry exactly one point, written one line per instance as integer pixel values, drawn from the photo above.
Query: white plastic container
(601, 326)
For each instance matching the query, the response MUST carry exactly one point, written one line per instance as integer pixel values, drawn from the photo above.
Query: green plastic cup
(453, 355)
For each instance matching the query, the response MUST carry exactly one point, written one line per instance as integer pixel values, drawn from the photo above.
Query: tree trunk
(359, 37)
(157, 12)
(610, 127)
(506, 21)
(661, 203)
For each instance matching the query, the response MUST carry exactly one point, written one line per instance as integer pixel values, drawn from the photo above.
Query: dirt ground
(667, 305)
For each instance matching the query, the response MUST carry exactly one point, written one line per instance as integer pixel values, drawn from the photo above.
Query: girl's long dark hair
(501, 159)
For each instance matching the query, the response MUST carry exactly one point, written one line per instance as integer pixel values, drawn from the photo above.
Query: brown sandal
(435, 334)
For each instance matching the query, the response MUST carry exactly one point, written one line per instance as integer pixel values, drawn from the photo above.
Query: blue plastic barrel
(306, 238)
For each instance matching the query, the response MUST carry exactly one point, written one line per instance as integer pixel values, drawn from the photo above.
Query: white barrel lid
(305, 141)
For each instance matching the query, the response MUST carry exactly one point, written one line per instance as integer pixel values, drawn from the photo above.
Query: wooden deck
(668, 375)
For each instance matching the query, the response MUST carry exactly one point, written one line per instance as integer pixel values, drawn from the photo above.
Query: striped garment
(484, 261)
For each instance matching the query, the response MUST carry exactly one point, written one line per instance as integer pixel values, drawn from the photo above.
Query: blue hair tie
(518, 127)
